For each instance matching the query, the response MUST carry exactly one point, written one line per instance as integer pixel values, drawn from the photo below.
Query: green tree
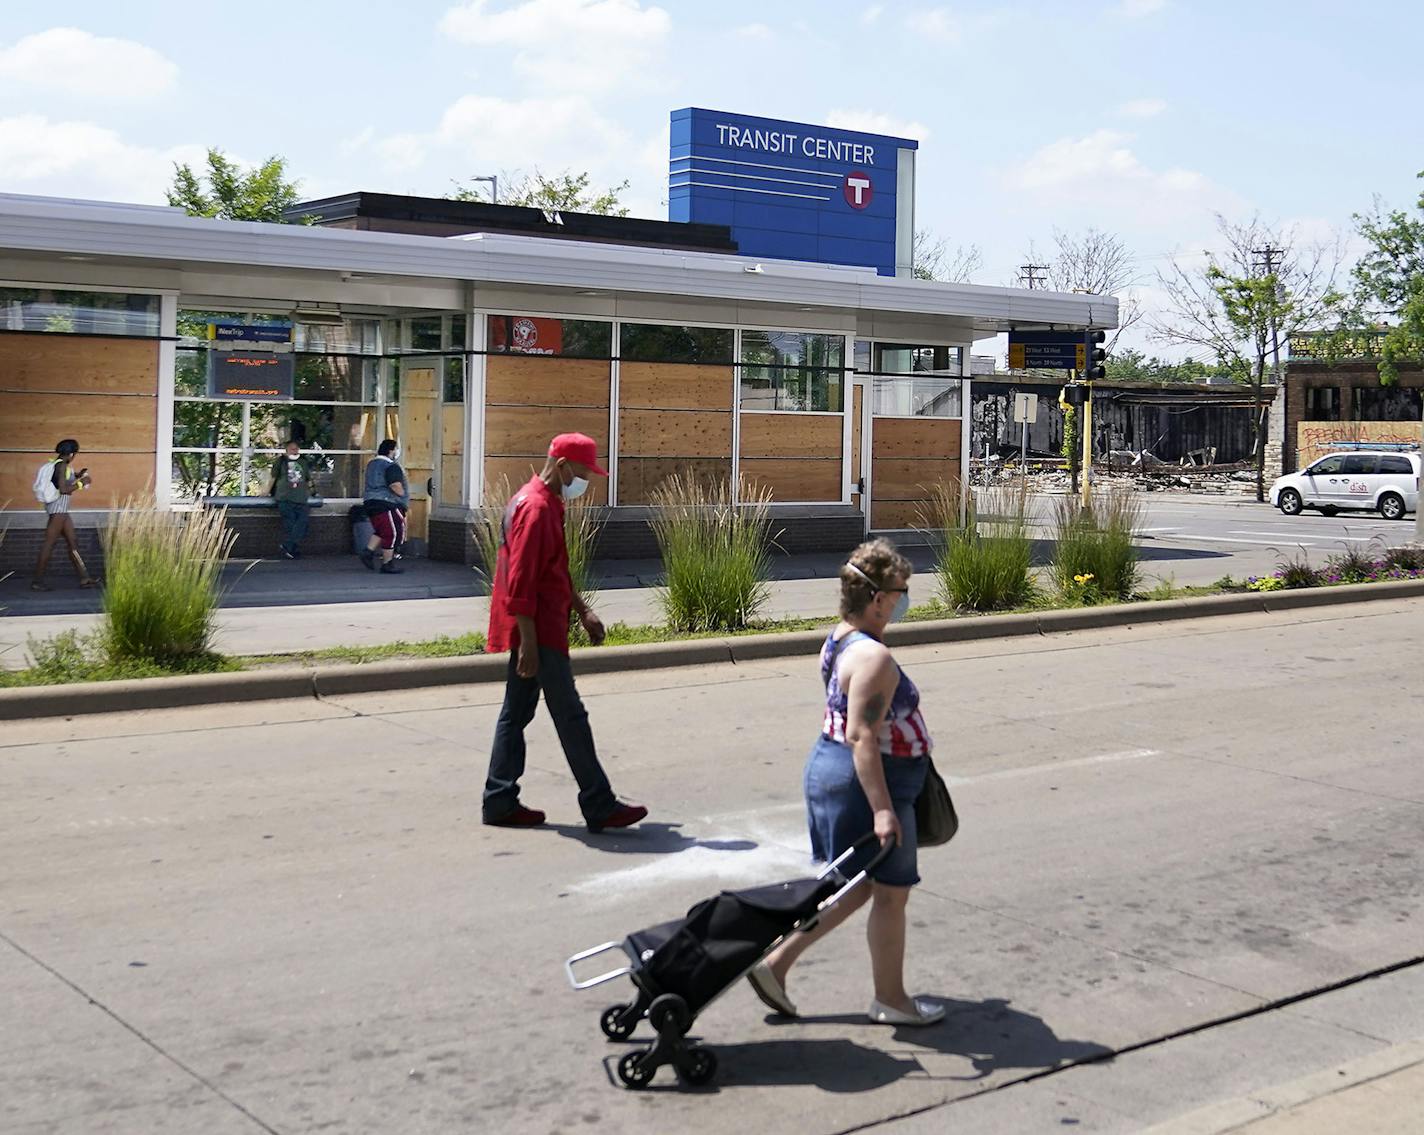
(1389, 284)
(1130, 365)
(228, 191)
(565, 192)
(1242, 303)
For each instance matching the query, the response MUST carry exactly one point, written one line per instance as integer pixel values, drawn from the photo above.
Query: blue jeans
(294, 523)
(521, 699)
(838, 812)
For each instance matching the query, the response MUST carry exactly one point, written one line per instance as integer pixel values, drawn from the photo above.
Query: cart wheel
(632, 1073)
(613, 1025)
(702, 1068)
(669, 1012)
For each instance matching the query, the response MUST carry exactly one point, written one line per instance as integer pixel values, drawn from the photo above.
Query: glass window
(930, 397)
(905, 358)
(663, 343)
(425, 334)
(541, 335)
(1395, 465)
(227, 447)
(78, 313)
(454, 381)
(1327, 465)
(792, 370)
(1358, 463)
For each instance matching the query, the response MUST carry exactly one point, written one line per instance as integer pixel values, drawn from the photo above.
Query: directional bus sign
(1061, 350)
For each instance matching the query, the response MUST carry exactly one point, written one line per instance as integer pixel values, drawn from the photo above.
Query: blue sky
(1143, 117)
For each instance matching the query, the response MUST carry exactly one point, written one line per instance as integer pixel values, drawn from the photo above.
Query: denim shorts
(839, 813)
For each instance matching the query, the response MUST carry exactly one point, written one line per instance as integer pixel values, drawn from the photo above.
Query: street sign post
(1025, 411)
(1060, 350)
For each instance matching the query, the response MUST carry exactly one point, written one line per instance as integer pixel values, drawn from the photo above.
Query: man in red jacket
(530, 604)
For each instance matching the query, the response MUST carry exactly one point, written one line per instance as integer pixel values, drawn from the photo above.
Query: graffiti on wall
(1313, 439)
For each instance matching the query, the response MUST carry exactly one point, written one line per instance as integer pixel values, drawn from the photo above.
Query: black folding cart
(678, 968)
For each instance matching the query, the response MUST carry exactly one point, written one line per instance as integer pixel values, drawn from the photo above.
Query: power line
(1032, 275)
(1265, 259)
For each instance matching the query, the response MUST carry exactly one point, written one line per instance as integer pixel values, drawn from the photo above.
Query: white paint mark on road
(704, 868)
(1056, 766)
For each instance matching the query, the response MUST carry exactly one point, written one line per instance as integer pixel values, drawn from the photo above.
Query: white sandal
(926, 1013)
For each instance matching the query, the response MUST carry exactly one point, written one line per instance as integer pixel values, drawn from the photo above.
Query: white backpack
(46, 492)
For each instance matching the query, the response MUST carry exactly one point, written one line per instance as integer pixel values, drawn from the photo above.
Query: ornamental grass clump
(984, 566)
(1098, 541)
(1296, 572)
(163, 583)
(716, 553)
(1354, 564)
(487, 527)
(1408, 557)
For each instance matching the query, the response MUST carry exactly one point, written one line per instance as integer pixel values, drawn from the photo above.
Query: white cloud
(873, 122)
(1100, 170)
(77, 63)
(872, 14)
(81, 159)
(1137, 9)
(1142, 108)
(938, 24)
(755, 31)
(566, 45)
(482, 134)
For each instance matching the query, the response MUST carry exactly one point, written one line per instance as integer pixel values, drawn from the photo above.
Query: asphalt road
(286, 917)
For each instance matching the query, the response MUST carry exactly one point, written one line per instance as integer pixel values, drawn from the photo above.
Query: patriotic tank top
(902, 733)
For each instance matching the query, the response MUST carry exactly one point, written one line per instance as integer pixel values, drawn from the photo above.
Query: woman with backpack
(55, 483)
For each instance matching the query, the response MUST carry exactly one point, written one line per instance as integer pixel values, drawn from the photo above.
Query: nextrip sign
(792, 191)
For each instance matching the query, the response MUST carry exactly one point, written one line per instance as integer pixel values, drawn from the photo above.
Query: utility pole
(1032, 275)
(1266, 261)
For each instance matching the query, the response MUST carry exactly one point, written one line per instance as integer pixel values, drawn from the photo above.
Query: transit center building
(770, 333)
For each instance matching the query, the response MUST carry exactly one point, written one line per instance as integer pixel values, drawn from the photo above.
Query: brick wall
(1344, 378)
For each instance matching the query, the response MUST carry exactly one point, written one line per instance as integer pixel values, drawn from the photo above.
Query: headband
(875, 586)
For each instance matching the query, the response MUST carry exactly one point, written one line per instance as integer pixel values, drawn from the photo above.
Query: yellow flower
(1080, 580)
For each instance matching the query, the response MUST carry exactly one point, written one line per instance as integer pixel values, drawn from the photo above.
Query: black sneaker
(368, 558)
(392, 568)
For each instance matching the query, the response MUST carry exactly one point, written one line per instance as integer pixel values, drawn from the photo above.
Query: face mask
(902, 604)
(575, 488)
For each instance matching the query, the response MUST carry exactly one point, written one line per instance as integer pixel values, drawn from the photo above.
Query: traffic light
(1096, 357)
(1071, 395)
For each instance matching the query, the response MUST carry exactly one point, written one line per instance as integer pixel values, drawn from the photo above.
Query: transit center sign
(793, 191)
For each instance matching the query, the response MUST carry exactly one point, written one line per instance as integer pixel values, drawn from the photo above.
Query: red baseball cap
(580, 448)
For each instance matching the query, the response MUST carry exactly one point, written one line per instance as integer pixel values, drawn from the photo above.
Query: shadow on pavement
(646, 839)
(989, 1034)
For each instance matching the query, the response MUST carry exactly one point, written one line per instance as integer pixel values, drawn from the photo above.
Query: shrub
(163, 582)
(1410, 557)
(486, 527)
(1100, 541)
(984, 566)
(1297, 571)
(1354, 564)
(716, 554)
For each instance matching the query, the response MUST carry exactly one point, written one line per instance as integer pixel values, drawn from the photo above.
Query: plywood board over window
(796, 456)
(907, 455)
(100, 391)
(530, 399)
(673, 419)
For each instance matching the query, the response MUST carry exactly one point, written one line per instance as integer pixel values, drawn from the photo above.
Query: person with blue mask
(865, 771)
(532, 601)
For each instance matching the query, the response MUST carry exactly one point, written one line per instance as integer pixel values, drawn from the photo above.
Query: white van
(1369, 480)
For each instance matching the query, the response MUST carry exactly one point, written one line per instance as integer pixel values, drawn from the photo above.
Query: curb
(356, 678)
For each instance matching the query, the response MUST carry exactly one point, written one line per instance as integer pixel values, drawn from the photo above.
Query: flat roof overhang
(152, 236)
